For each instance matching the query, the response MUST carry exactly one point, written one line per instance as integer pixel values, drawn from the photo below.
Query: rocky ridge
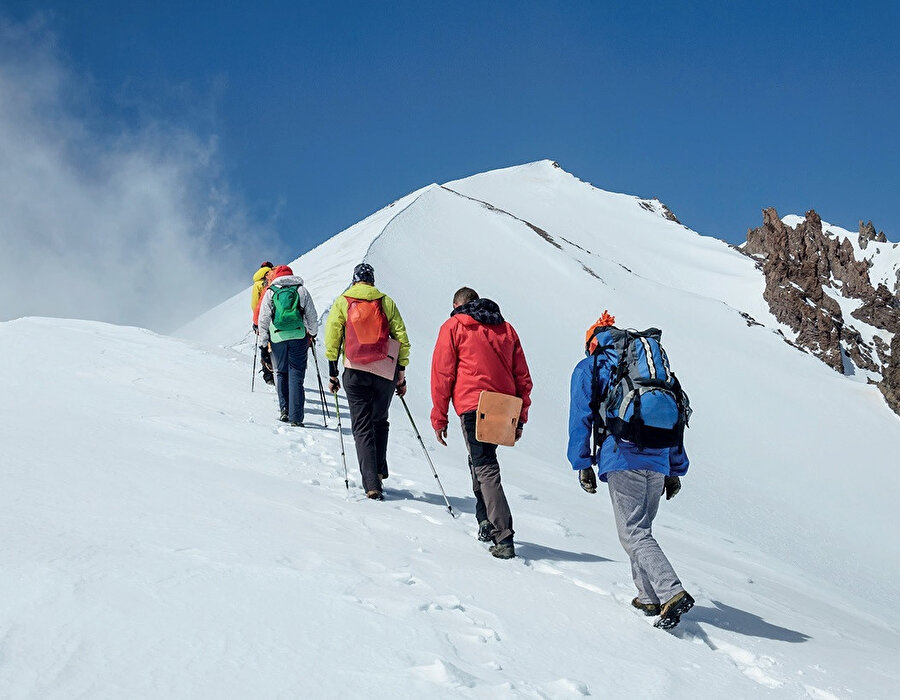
(818, 283)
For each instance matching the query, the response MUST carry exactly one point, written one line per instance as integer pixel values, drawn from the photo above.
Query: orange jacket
(476, 351)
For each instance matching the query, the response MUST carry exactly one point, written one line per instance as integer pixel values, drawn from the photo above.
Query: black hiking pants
(490, 500)
(369, 397)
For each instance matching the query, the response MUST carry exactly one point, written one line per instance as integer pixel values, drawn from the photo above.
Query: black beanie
(364, 273)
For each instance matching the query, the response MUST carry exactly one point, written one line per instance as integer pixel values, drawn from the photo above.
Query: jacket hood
(482, 310)
(361, 290)
(286, 281)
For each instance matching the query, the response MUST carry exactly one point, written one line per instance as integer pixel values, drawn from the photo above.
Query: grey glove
(673, 486)
(588, 480)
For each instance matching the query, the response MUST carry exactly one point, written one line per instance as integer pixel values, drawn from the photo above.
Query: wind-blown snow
(165, 535)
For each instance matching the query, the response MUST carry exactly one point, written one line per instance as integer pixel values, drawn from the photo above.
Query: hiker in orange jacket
(260, 284)
(477, 350)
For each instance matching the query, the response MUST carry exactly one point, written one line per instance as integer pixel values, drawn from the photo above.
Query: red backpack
(367, 332)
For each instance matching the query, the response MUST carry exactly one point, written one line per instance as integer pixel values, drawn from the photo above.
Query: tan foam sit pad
(497, 417)
(383, 368)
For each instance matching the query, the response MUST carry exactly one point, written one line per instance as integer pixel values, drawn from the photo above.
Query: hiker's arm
(310, 315)
(522, 378)
(398, 330)
(580, 419)
(334, 328)
(443, 376)
(265, 318)
(678, 461)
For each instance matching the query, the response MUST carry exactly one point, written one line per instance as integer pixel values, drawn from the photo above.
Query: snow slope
(165, 536)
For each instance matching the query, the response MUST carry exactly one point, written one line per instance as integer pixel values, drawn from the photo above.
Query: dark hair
(266, 264)
(464, 295)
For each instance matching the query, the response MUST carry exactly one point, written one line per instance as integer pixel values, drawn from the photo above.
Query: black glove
(588, 480)
(334, 384)
(673, 486)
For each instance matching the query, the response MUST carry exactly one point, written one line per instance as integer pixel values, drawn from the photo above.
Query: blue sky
(321, 113)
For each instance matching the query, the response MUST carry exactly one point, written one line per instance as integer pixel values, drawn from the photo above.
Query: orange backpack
(367, 332)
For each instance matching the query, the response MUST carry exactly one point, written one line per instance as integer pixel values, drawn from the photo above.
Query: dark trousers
(490, 500)
(290, 370)
(369, 397)
(266, 361)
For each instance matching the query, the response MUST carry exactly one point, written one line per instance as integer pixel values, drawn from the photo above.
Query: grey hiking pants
(635, 498)
(490, 500)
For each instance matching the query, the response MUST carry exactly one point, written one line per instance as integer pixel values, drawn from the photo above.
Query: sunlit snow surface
(165, 536)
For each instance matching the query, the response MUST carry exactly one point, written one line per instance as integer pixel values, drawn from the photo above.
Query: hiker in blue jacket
(636, 476)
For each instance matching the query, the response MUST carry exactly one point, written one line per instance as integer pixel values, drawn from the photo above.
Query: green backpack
(288, 315)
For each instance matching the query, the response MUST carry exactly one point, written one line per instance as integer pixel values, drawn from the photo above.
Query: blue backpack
(644, 402)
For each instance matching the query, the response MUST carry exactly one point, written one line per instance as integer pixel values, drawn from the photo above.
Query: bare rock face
(867, 233)
(890, 385)
(800, 264)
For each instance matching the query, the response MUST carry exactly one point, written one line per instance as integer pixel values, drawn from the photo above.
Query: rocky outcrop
(805, 270)
(867, 233)
(890, 385)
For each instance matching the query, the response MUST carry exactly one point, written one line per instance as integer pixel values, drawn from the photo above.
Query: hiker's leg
(487, 472)
(280, 357)
(297, 358)
(382, 393)
(480, 508)
(635, 499)
(358, 388)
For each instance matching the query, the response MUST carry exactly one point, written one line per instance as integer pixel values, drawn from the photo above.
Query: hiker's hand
(673, 486)
(334, 384)
(441, 436)
(519, 428)
(401, 388)
(588, 480)
(312, 340)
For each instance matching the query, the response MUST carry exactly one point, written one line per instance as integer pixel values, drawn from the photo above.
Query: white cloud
(133, 226)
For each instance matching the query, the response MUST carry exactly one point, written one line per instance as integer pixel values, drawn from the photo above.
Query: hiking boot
(283, 417)
(375, 495)
(485, 531)
(673, 609)
(269, 378)
(503, 550)
(297, 423)
(649, 609)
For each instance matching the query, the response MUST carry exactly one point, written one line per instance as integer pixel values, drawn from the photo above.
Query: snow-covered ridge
(165, 535)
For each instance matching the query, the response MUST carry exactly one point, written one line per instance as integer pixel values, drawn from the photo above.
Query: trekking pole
(428, 457)
(253, 376)
(321, 387)
(337, 410)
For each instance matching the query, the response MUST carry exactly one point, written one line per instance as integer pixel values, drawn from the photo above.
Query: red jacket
(476, 351)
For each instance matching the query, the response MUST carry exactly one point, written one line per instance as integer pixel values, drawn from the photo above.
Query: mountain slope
(769, 422)
(167, 537)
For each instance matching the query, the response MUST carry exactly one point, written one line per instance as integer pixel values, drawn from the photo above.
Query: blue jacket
(614, 454)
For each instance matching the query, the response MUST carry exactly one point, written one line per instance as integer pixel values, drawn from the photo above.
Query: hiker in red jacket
(477, 350)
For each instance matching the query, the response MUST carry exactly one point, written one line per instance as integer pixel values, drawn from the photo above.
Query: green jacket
(337, 319)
